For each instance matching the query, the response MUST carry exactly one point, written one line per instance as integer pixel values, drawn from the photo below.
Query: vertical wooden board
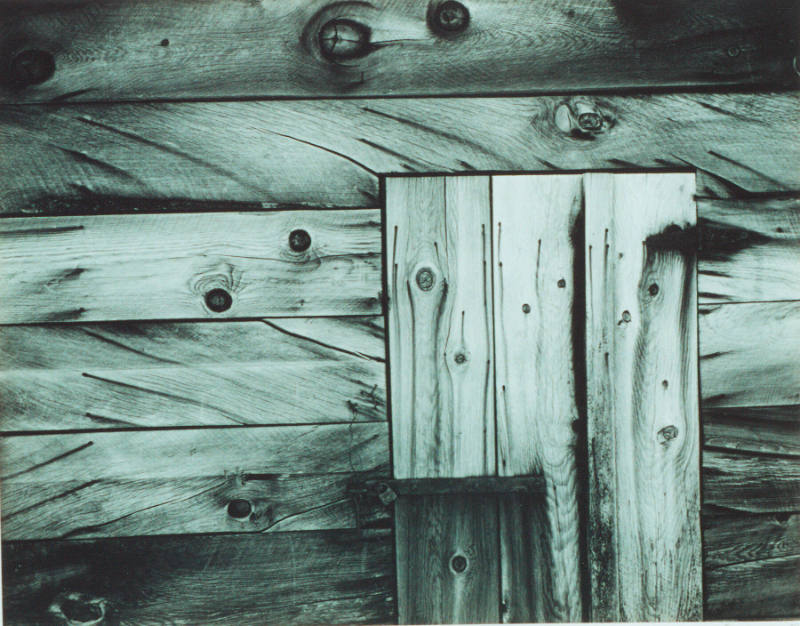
(643, 425)
(440, 314)
(534, 218)
(447, 559)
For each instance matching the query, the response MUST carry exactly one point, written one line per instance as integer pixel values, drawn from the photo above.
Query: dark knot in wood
(460, 358)
(239, 508)
(341, 39)
(425, 279)
(79, 608)
(526, 308)
(667, 434)
(218, 300)
(653, 290)
(448, 18)
(562, 283)
(459, 563)
(32, 67)
(581, 119)
(299, 240)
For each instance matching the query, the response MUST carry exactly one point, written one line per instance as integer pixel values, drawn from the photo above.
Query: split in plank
(209, 265)
(160, 374)
(328, 153)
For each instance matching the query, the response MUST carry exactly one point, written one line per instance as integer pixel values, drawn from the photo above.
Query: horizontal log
(754, 590)
(388, 490)
(750, 482)
(326, 153)
(746, 538)
(134, 375)
(749, 250)
(194, 453)
(149, 49)
(769, 429)
(209, 265)
(342, 577)
(748, 354)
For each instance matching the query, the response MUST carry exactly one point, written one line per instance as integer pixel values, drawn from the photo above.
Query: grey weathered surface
(749, 538)
(642, 397)
(181, 49)
(767, 429)
(432, 533)
(156, 374)
(326, 153)
(748, 354)
(113, 267)
(341, 577)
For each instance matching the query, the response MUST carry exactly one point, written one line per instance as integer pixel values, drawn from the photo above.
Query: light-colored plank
(643, 423)
(133, 374)
(326, 153)
(768, 429)
(749, 250)
(742, 538)
(748, 354)
(447, 559)
(162, 266)
(146, 49)
(534, 218)
(440, 317)
(194, 453)
(284, 578)
(748, 482)
(165, 506)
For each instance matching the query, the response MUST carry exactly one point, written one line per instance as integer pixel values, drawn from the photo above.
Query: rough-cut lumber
(112, 267)
(134, 374)
(284, 578)
(181, 49)
(532, 485)
(643, 423)
(749, 250)
(327, 153)
(195, 453)
(755, 483)
(747, 538)
(534, 219)
(447, 559)
(440, 326)
(748, 354)
(754, 590)
(767, 429)
(234, 502)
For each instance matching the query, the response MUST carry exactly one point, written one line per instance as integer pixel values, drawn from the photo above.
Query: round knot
(342, 39)
(218, 300)
(32, 67)
(299, 240)
(459, 563)
(449, 17)
(425, 279)
(239, 508)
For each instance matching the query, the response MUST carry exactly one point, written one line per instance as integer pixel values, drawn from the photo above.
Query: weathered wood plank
(768, 429)
(754, 590)
(440, 317)
(233, 502)
(179, 49)
(195, 453)
(133, 374)
(746, 538)
(754, 483)
(114, 267)
(326, 153)
(534, 218)
(447, 559)
(748, 354)
(643, 424)
(749, 250)
(284, 578)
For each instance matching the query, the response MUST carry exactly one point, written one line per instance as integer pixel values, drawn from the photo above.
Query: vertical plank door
(535, 221)
(442, 394)
(643, 424)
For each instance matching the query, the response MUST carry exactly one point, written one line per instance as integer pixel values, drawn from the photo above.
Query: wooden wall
(164, 461)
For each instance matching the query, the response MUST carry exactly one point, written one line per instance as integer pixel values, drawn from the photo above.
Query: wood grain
(115, 267)
(434, 533)
(440, 326)
(130, 506)
(643, 426)
(195, 453)
(768, 429)
(748, 354)
(159, 49)
(729, 539)
(338, 577)
(326, 153)
(135, 374)
(749, 250)
(741, 481)
(534, 218)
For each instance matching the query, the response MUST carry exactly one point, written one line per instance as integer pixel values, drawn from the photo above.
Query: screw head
(458, 563)
(450, 17)
(239, 508)
(32, 67)
(218, 300)
(299, 240)
(425, 279)
(342, 39)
